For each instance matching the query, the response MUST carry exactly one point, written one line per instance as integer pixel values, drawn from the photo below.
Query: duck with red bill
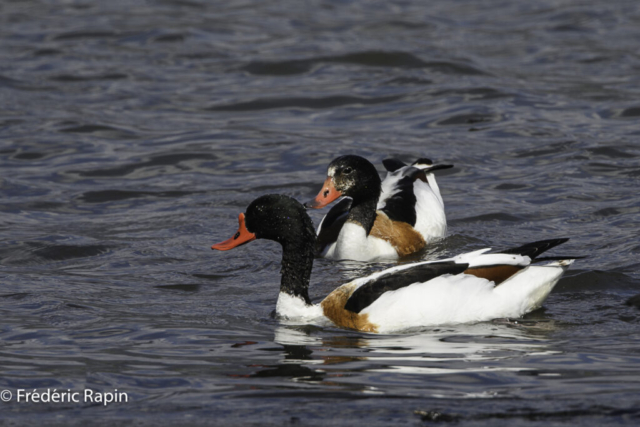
(471, 287)
(379, 219)
(241, 237)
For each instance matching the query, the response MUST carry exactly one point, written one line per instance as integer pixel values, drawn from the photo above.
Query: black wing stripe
(336, 212)
(402, 205)
(332, 224)
(366, 294)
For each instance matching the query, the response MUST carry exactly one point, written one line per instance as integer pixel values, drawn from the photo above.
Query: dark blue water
(132, 133)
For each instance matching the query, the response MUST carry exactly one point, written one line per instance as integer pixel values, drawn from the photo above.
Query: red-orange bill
(327, 195)
(241, 237)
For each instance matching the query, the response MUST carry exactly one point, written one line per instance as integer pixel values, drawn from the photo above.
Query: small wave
(180, 287)
(17, 296)
(579, 281)
(634, 301)
(380, 59)
(631, 112)
(85, 35)
(108, 332)
(510, 186)
(170, 38)
(552, 149)
(620, 113)
(63, 252)
(309, 103)
(76, 78)
(468, 119)
(35, 253)
(408, 81)
(528, 414)
(159, 160)
(479, 93)
(611, 152)
(102, 131)
(213, 277)
(116, 195)
(88, 129)
(9, 82)
(496, 216)
(31, 155)
(610, 169)
(367, 59)
(184, 3)
(46, 52)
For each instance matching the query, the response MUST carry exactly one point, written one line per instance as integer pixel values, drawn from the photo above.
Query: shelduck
(471, 287)
(379, 219)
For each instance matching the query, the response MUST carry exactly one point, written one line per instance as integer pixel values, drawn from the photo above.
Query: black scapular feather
(366, 294)
(338, 210)
(402, 205)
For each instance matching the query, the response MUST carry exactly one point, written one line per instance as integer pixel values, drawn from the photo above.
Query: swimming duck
(471, 287)
(379, 219)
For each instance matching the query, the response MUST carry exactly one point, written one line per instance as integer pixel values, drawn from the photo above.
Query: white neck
(353, 243)
(292, 307)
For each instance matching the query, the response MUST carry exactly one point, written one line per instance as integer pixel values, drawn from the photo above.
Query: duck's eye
(347, 170)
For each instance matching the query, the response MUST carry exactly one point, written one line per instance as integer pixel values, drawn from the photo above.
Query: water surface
(132, 133)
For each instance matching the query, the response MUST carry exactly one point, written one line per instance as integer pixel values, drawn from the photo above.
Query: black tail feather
(393, 165)
(558, 258)
(532, 250)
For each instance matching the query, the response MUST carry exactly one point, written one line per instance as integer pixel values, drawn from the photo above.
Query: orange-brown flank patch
(333, 307)
(496, 273)
(403, 237)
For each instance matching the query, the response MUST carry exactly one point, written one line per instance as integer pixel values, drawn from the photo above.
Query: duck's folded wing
(500, 266)
(398, 278)
(494, 267)
(332, 223)
(397, 199)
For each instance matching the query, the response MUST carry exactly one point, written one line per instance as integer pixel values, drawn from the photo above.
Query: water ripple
(367, 59)
(312, 103)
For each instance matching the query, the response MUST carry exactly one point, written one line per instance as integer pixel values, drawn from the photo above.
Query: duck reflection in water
(308, 356)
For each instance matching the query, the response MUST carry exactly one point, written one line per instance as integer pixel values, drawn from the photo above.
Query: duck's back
(463, 298)
(472, 287)
(412, 196)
